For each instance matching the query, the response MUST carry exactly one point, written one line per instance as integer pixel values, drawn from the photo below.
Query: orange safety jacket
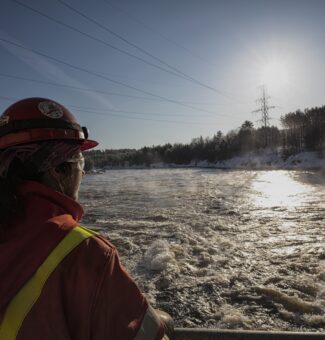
(60, 281)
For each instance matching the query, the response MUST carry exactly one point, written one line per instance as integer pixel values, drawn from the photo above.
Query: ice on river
(215, 248)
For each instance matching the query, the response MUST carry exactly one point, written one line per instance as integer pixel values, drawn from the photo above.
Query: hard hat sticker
(50, 109)
(4, 120)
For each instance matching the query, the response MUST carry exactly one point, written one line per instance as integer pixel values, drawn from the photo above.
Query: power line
(105, 114)
(92, 90)
(139, 48)
(150, 28)
(139, 118)
(99, 40)
(134, 112)
(98, 75)
(78, 88)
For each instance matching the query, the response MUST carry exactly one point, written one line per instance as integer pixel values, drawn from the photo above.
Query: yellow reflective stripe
(165, 337)
(22, 303)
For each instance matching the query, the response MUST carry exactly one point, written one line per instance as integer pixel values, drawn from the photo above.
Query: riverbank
(257, 161)
(271, 160)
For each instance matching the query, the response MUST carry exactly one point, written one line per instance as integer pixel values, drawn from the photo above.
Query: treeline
(302, 130)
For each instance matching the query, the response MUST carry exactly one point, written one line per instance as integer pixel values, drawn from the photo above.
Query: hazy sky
(148, 72)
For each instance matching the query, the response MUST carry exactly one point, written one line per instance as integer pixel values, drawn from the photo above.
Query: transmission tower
(264, 108)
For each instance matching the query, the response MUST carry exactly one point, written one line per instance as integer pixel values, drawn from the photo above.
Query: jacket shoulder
(96, 249)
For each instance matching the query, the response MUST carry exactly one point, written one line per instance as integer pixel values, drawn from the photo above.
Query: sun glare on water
(279, 189)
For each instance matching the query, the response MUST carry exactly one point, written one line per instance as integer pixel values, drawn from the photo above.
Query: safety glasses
(79, 159)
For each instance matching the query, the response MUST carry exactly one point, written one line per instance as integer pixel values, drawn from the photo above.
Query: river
(219, 248)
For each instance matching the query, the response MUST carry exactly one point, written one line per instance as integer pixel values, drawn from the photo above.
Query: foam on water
(290, 303)
(206, 249)
(159, 257)
(314, 320)
(232, 318)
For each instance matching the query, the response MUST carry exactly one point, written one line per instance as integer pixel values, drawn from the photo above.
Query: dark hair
(11, 205)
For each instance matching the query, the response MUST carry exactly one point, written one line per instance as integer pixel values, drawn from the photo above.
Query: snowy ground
(270, 160)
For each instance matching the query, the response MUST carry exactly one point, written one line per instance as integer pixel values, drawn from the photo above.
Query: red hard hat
(39, 119)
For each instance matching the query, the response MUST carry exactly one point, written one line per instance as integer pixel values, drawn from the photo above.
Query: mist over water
(226, 249)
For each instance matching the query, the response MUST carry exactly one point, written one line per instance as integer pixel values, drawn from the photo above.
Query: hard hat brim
(39, 135)
(88, 144)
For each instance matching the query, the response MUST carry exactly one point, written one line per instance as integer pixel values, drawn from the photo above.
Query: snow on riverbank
(270, 160)
(253, 160)
(265, 160)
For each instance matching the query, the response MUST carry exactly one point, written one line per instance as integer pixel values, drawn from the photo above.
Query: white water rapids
(218, 248)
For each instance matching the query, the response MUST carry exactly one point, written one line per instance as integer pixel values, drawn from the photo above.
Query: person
(59, 280)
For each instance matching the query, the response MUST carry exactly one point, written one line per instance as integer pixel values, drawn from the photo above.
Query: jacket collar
(46, 219)
(62, 203)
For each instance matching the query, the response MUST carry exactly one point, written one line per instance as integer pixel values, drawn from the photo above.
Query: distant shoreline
(251, 161)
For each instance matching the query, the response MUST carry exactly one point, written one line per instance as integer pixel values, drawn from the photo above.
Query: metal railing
(217, 334)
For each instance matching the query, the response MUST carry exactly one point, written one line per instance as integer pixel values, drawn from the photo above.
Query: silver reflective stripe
(149, 327)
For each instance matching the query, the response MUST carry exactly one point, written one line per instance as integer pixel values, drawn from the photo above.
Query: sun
(275, 74)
